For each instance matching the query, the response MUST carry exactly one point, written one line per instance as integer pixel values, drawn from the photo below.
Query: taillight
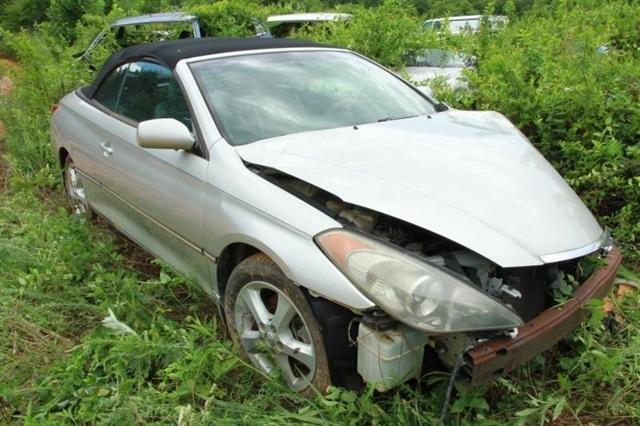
(54, 107)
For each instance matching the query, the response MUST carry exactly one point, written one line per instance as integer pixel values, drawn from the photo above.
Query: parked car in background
(349, 227)
(469, 23)
(283, 25)
(427, 64)
(189, 26)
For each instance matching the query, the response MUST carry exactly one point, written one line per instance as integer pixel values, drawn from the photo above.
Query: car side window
(109, 91)
(150, 91)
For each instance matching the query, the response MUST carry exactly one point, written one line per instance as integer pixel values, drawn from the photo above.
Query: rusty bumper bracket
(495, 357)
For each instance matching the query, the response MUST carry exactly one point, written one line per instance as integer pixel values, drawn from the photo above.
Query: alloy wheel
(273, 334)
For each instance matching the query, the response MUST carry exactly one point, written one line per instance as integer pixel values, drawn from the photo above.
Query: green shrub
(47, 73)
(229, 18)
(64, 14)
(384, 34)
(16, 14)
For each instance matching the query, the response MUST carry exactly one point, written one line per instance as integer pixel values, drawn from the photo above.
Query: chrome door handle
(106, 148)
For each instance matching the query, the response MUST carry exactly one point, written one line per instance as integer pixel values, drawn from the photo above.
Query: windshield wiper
(382, 120)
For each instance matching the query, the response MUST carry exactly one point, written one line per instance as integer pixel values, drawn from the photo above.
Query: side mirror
(164, 133)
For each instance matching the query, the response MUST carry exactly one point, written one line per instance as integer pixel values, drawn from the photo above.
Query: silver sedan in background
(350, 228)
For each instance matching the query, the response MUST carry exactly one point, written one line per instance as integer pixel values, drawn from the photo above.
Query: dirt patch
(6, 86)
(4, 168)
(8, 62)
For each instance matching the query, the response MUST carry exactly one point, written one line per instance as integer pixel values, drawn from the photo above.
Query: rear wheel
(272, 322)
(74, 190)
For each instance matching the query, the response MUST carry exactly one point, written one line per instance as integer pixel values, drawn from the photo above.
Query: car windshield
(261, 96)
(151, 32)
(432, 25)
(437, 58)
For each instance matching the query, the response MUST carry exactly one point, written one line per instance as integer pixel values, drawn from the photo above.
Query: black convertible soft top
(169, 53)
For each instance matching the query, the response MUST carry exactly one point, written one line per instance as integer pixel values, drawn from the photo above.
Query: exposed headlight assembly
(422, 295)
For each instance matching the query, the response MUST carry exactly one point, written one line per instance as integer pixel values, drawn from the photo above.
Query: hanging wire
(447, 396)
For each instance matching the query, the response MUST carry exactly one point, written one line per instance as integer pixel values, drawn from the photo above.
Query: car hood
(468, 176)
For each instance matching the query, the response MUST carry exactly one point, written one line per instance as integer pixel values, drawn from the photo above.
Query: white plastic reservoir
(388, 358)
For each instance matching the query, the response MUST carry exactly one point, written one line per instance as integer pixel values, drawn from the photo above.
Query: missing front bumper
(492, 358)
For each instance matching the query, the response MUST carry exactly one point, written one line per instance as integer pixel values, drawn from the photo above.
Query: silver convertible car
(350, 228)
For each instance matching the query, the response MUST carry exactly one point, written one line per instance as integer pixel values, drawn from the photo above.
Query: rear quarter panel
(73, 130)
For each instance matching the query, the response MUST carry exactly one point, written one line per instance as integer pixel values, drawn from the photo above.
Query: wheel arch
(229, 258)
(237, 248)
(297, 256)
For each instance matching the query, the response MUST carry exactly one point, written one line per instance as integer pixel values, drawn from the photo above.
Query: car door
(154, 195)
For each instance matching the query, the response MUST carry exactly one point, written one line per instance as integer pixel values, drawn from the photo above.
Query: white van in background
(470, 23)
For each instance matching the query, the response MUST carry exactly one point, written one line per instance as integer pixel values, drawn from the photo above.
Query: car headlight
(422, 295)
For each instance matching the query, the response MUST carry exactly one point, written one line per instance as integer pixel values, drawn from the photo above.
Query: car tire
(272, 323)
(75, 195)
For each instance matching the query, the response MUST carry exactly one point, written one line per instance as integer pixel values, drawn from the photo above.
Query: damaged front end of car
(432, 293)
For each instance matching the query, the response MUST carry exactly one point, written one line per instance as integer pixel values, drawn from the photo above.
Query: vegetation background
(60, 276)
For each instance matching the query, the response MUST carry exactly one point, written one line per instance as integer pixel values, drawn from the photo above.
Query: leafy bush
(16, 14)
(229, 18)
(384, 34)
(64, 14)
(48, 72)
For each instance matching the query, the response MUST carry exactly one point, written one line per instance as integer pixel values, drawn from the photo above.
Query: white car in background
(426, 65)
(122, 27)
(283, 25)
(468, 23)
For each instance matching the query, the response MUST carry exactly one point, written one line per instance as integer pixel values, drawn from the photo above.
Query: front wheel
(272, 322)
